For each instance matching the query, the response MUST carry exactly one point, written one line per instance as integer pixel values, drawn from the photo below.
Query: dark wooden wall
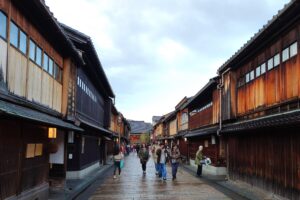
(91, 153)
(212, 151)
(88, 109)
(183, 147)
(18, 173)
(269, 159)
(202, 118)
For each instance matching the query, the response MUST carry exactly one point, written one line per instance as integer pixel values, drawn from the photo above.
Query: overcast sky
(155, 52)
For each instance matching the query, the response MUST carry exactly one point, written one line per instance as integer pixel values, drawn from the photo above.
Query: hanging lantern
(52, 133)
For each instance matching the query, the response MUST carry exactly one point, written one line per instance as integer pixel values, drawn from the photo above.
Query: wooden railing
(201, 118)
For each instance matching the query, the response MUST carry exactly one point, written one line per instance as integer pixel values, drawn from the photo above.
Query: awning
(202, 132)
(276, 120)
(94, 126)
(33, 115)
(181, 134)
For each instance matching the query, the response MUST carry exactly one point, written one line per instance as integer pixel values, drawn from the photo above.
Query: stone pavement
(76, 186)
(132, 184)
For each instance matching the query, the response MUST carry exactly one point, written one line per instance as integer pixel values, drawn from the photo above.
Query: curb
(82, 187)
(219, 185)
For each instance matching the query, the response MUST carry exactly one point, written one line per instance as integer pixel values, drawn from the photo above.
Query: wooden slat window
(3, 25)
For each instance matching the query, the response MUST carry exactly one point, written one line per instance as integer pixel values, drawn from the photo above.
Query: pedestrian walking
(118, 156)
(154, 149)
(198, 159)
(162, 155)
(175, 158)
(144, 157)
(137, 149)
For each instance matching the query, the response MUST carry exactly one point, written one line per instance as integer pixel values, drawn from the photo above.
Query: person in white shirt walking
(118, 156)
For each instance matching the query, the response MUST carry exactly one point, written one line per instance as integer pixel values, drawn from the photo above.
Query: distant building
(138, 128)
(155, 119)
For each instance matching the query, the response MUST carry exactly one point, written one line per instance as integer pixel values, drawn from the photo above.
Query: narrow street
(132, 184)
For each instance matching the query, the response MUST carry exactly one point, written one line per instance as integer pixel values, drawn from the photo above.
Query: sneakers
(144, 172)
(115, 176)
(156, 173)
(164, 179)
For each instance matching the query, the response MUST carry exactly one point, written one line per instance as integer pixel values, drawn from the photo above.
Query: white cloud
(156, 52)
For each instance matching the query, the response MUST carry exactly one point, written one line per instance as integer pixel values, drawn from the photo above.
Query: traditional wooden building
(138, 129)
(203, 125)
(182, 116)
(260, 106)
(90, 99)
(157, 131)
(120, 128)
(34, 53)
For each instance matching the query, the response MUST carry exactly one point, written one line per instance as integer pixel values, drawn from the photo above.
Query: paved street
(132, 184)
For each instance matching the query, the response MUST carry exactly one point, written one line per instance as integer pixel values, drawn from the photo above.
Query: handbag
(121, 163)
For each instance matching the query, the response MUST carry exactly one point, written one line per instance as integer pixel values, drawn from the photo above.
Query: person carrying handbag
(118, 156)
(198, 159)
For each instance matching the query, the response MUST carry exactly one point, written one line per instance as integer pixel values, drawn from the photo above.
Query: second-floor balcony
(201, 118)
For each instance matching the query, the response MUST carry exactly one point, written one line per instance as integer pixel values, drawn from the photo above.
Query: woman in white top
(118, 156)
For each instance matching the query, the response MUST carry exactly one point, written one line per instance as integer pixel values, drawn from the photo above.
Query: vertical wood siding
(267, 159)
(216, 106)
(18, 173)
(3, 60)
(212, 151)
(57, 96)
(173, 127)
(47, 89)
(202, 118)
(277, 85)
(17, 67)
(229, 96)
(34, 83)
(10, 141)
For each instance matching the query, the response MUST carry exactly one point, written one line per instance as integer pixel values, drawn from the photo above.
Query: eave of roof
(43, 11)
(262, 33)
(77, 36)
(276, 120)
(212, 82)
(202, 131)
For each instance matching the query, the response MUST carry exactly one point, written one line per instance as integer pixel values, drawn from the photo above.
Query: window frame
(29, 51)
(283, 53)
(290, 47)
(268, 62)
(277, 55)
(21, 32)
(265, 68)
(6, 27)
(257, 71)
(11, 25)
